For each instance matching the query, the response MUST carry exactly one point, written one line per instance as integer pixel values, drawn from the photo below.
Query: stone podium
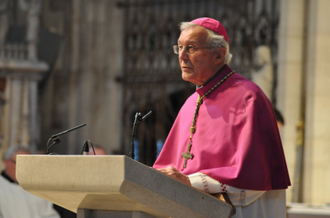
(113, 186)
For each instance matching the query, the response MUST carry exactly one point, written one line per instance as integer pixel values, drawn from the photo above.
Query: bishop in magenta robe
(229, 142)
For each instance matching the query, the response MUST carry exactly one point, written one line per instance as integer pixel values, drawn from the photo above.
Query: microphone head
(86, 148)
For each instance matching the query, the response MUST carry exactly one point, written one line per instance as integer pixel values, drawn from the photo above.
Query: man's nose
(183, 54)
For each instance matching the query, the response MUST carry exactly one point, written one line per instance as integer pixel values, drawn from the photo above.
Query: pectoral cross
(187, 156)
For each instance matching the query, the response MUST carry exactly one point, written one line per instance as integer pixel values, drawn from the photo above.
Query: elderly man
(225, 137)
(98, 149)
(14, 201)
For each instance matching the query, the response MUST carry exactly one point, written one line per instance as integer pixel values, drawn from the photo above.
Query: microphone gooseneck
(137, 120)
(55, 138)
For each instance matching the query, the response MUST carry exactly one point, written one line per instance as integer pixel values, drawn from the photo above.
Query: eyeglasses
(189, 49)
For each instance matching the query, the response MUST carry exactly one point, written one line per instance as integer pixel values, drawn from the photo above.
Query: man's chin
(186, 77)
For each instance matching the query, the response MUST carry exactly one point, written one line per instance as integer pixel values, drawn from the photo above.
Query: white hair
(215, 40)
(12, 150)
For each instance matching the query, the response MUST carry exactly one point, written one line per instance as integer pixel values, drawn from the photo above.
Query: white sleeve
(239, 197)
(49, 211)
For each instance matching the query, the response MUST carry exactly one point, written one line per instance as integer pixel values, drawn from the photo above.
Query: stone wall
(303, 95)
(81, 87)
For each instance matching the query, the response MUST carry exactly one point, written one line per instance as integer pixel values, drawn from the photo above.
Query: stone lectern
(113, 186)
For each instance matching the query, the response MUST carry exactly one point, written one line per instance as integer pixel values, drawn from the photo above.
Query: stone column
(316, 188)
(22, 70)
(95, 97)
(290, 68)
(20, 120)
(303, 54)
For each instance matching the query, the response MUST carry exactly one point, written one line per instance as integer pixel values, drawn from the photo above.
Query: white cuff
(239, 197)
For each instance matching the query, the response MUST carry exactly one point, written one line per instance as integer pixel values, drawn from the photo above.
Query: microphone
(147, 115)
(56, 137)
(85, 150)
(69, 130)
(138, 119)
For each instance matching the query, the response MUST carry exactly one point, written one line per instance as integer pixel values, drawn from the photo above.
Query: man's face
(197, 67)
(11, 165)
(98, 151)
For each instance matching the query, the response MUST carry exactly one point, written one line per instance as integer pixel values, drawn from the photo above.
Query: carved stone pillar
(21, 71)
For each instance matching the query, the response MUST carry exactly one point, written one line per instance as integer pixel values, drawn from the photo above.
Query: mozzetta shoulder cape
(236, 140)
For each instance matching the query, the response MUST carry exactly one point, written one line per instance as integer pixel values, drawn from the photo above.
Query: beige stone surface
(290, 66)
(112, 183)
(317, 169)
(305, 27)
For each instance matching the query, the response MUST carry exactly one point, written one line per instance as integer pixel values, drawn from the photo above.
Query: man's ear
(221, 52)
(6, 162)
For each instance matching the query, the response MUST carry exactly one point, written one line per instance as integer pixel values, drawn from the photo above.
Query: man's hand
(175, 174)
